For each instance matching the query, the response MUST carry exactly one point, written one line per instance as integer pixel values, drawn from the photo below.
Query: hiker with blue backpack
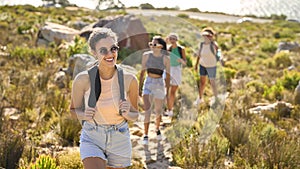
(104, 98)
(177, 59)
(153, 87)
(207, 58)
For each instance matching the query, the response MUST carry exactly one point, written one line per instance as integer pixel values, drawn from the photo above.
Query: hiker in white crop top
(154, 88)
(105, 138)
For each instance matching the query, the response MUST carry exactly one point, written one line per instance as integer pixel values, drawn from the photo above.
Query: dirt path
(157, 154)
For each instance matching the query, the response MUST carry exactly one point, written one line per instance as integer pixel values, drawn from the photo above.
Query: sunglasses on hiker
(104, 51)
(154, 44)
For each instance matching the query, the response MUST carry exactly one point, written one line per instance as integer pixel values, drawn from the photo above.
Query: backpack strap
(95, 86)
(179, 50)
(213, 49)
(121, 85)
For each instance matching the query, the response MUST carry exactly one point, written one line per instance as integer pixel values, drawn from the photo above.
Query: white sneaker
(145, 140)
(198, 101)
(158, 135)
(170, 113)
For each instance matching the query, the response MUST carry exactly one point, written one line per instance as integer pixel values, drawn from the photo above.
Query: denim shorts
(155, 87)
(108, 142)
(210, 71)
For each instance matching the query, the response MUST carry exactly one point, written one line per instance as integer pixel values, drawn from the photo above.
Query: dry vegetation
(40, 123)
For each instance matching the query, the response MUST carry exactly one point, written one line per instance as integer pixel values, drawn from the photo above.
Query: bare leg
(172, 97)
(214, 86)
(202, 85)
(147, 106)
(94, 163)
(158, 103)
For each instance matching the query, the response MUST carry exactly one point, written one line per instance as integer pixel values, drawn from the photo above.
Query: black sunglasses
(154, 44)
(104, 51)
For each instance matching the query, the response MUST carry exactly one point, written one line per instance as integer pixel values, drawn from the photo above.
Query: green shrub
(79, 46)
(268, 147)
(258, 86)
(229, 73)
(282, 60)
(70, 160)
(69, 131)
(274, 92)
(268, 46)
(146, 6)
(290, 80)
(44, 162)
(193, 10)
(182, 15)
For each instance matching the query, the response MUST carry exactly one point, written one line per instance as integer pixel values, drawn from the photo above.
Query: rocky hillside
(256, 126)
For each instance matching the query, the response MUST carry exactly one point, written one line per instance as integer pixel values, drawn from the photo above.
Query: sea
(260, 8)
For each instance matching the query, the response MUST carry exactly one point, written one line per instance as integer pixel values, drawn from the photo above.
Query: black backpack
(96, 85)
(179, 49)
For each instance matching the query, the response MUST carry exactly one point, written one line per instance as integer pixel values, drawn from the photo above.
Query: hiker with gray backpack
(207, 57)
(104, 98)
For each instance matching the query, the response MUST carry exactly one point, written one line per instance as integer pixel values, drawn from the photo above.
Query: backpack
(212, 45)
(96, 85)
(179, 49)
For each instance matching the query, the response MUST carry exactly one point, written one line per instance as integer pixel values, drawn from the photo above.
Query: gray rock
(297, 94)
(52, 32)
(290, 46)
(130, 31)
(79, 63)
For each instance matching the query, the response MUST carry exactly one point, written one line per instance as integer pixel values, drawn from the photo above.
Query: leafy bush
(70, 160)
(79, 46)
(44, 162)
(69, 131)
(290, 80)
(146, 6)
(182, 15)
(268, 46)
(268, 148)
(282, 60)
(274, 92)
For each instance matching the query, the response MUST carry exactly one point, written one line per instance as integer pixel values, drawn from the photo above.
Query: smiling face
(154, 45)
(106, 51)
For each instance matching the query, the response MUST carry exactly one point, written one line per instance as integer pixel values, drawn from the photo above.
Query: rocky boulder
(79, 63)
(52, 32)
(290, 46)
(297, 94)
(129, 29)
(282, 108)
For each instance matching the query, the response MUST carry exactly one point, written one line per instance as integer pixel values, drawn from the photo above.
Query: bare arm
(77, 96)
(142, 75)
(198, 55)
(133, 99)
(167, 64)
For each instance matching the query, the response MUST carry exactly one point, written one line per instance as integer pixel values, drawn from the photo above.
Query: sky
(203, 5)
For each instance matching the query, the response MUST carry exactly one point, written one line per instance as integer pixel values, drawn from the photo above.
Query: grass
(251, 140)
